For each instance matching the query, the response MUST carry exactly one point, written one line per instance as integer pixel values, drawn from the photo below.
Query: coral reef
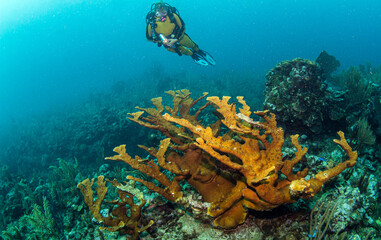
(44, 156)
(235, 167)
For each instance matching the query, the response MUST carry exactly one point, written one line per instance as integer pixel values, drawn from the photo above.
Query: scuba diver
(166, 28)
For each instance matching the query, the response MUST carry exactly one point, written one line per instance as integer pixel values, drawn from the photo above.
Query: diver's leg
(184, 50)
(171, 49)
(186, 41)
(180, 50)
(199, 56)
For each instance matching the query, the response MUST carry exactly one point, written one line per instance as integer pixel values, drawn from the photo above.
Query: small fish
(313, 235)
(322, 159)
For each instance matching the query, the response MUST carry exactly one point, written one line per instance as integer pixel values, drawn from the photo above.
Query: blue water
(57, 51)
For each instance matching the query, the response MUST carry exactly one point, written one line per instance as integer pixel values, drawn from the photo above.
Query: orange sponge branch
(232, 172)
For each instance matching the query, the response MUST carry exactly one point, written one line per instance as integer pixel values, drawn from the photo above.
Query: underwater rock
(297, 93)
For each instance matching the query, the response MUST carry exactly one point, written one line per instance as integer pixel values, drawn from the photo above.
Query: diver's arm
(170, 42)
(149, 33)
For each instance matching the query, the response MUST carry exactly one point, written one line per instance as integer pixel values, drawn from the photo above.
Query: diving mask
(162, 15)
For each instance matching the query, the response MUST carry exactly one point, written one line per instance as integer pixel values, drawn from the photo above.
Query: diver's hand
(170, 42)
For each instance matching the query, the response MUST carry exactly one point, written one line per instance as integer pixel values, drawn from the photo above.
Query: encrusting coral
(255, 176)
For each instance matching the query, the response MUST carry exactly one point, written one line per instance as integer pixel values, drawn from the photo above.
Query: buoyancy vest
(173, 26)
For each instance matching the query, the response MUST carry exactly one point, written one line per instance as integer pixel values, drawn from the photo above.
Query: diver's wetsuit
(174, 30)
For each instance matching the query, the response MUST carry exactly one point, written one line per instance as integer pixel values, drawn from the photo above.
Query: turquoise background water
(54, 52)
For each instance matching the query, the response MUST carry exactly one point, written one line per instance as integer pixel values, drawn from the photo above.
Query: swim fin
(203, 58)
